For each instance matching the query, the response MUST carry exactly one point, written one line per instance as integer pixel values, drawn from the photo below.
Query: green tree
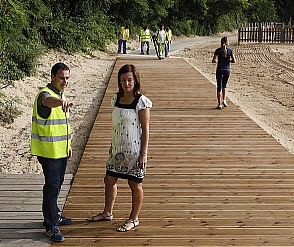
(285, 10)
(224, 14)
(138, 13)
(184, 16)
(261, 11)
(77, 25)
(19, 43)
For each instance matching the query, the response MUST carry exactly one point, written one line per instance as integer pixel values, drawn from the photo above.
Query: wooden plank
(21, 209)
(27, 179)
(195, 240)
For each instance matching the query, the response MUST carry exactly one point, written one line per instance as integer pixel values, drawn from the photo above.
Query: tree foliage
(256, 11)
(29, 26)
(285, 10)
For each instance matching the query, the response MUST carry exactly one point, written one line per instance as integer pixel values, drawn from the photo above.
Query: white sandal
(128, 225)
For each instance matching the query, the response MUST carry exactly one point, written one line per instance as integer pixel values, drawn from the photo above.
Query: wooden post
(259, 36)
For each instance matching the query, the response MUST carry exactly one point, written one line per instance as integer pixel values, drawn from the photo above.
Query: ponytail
(224, 43)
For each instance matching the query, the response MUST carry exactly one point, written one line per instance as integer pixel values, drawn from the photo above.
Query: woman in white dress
(129, 146)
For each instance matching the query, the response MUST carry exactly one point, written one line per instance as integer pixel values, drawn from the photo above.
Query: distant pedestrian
(168, 42)
(144, 38)
(224, 56)
(123, 37)
(161, 39)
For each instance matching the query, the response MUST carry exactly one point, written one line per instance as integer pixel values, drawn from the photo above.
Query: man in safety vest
(123, 36)
(51, 143)
(145, 37)
(168, 43)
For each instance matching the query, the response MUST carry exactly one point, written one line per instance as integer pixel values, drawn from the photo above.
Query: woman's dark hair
(137, 85)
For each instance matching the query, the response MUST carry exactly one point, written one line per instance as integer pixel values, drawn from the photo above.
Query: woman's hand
(142, 161)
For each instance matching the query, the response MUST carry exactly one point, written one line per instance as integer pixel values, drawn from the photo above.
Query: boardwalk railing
(266, 32)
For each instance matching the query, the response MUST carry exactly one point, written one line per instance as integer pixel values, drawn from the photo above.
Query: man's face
(60, 80)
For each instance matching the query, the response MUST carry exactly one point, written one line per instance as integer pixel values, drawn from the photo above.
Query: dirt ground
(261, 83)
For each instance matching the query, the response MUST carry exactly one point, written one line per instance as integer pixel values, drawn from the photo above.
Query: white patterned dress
(126, 139)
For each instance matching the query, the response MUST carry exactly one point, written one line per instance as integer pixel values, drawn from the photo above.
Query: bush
(226, 23)
(78, 34)
(18, 58)
(8, 110)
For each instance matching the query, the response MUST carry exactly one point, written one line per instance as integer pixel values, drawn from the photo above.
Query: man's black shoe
(54, 234)
(65, 221)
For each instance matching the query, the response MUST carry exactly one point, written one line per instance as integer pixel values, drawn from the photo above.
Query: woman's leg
(225, 79)
(137, 199)
(219, 80)
(219, 95)
(110, 194)
(224, 93)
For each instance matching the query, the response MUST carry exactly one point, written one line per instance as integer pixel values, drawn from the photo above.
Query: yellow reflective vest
(145, 35)
(124, 34)
(51, 137)
(169, 35)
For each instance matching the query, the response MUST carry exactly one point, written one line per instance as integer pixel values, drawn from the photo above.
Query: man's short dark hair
(57, 67)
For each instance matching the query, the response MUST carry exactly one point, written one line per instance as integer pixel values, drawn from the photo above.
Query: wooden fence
(269, 32)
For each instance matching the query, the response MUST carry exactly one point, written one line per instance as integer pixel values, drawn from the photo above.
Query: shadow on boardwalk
(214, 177)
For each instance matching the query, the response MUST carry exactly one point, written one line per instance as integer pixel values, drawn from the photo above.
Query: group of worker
(162, 38)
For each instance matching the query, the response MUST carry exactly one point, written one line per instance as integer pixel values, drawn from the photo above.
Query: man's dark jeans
(54, 171)
(122, 44)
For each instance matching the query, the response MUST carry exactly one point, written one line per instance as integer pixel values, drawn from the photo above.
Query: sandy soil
(261, 83)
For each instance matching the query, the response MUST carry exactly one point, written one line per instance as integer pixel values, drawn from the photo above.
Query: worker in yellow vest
(51, 143)
(144, 38)
(123, 37)
(168, 43)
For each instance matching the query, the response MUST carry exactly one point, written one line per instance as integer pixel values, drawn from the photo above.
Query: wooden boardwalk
(214, 177)
(21, 209)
